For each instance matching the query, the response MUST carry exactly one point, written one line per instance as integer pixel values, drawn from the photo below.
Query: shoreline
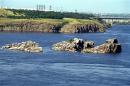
(66, 25)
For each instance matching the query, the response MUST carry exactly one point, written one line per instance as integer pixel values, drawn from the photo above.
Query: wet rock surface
(80, 45)
(27, 46)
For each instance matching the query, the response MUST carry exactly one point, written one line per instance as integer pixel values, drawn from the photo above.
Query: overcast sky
(95, 6)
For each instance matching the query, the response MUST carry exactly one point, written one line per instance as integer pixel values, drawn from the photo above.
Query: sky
(91, 6)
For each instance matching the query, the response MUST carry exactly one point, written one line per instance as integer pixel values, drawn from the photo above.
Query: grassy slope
(8, 20)
(7, 13)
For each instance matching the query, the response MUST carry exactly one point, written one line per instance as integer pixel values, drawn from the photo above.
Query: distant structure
(41, 7)
(76, 11)
(50, 8)
(44, 7)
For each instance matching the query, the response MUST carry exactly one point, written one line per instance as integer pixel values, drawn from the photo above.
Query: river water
(54, 68)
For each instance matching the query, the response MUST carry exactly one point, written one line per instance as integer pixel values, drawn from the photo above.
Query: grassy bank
(14, 20)
(65, 25)
(30, 25)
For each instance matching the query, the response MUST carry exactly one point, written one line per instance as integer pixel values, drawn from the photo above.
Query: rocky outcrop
(28, 46)
(28, 26)
(73, 45)
(64, 46)
(110, 46)
(82, 28)
(51, 25)
(80, 45)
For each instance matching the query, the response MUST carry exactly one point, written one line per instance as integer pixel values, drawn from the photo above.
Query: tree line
(48, 14)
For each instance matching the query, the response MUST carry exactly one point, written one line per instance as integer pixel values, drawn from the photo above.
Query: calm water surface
(52, 68)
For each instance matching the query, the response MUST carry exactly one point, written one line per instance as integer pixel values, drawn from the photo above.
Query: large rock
(73, 45)
(88, 44)
(111, 41)
(64, 46)
(28, 46)
(80, 45)
(110, 46)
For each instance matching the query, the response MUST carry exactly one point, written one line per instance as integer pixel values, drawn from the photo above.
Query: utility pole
(50, 8)
(40, 7)
(76, 11)
(37, 7)
(44, 7)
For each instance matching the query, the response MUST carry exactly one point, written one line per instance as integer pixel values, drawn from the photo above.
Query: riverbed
(55, 68)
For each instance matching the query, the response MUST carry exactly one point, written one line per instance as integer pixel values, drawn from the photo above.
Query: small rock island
(80, 45)
(27, 46)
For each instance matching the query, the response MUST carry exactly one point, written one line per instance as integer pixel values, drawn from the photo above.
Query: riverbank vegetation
(21, 13)
(48, 21)
(66, 25)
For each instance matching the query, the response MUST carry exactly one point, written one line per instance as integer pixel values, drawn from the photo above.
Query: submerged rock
(28, 46)
(80, 45)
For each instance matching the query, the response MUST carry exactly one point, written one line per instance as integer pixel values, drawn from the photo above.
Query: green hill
(20, 13)
(9, 13)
